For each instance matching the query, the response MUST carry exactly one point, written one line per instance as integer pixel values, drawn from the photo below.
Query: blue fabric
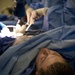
(3, 17)
(20, 8)
(2, 25)
(36, 5)
(69, 12)
(30, 68)
(61, 12)
(19, 11)
(61, 39)
(5, 43)
(13, 22)
(24, 1)
(7, 18)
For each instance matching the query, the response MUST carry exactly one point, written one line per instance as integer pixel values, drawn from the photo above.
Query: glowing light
(6, 32)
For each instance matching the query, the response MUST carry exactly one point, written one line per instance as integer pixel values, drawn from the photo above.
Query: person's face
(47, 57)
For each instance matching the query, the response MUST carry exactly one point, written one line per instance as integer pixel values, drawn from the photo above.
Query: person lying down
(51, 59)
(49, 62)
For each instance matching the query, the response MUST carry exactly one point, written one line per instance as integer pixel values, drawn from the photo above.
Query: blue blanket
(5, 43)
(60, 36)
(16, 59)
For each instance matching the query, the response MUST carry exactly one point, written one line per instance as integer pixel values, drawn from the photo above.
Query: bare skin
(31, 16)
(37, 14)
(28, 13)
(34, 14)
(46, 57)
(20, 39)
(20, 27)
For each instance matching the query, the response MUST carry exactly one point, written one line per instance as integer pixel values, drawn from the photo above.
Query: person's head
(49, 62)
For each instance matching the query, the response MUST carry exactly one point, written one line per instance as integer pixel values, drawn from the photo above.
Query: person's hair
(57, 68)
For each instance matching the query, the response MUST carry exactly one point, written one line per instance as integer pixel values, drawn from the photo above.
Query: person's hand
(34, 16)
